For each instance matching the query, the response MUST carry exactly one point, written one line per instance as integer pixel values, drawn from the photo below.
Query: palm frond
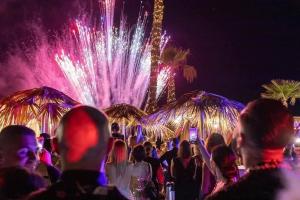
(283, 90)
(174, 57)
(44, 105)
(189, 73)
(204, 110)
(124, 113)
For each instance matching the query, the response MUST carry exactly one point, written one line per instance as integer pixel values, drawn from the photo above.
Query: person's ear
(241, 140)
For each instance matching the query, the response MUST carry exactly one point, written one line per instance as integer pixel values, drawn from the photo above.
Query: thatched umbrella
(129, 117)
(125, 114)
(39, 108)
(206, 111)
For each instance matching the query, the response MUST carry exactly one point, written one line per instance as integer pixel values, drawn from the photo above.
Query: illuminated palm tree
(155, 52)
(287, 91)
(175, 59)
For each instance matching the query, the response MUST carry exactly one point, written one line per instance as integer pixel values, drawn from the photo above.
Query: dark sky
(236, 45)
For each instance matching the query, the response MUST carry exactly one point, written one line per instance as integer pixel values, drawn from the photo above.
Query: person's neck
(270, 155)
(265, 156)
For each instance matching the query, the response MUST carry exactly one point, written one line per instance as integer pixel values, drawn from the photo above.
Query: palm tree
(175, 59)
(287, 91)
(155, 52)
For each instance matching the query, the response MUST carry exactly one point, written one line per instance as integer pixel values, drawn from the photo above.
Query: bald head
(267, 123)
(266, 127)
(82, 137)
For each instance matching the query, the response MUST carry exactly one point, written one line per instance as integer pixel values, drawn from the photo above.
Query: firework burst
(109, 65)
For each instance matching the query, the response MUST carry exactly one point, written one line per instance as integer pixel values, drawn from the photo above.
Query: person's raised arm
(205, 155)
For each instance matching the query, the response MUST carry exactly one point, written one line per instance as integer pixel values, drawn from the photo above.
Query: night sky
(236, 45)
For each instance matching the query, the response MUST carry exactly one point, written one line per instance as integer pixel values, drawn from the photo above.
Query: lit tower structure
(155, 52)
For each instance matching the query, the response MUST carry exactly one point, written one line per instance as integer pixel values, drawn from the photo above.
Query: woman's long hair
(214, 140)
(184, 151)
(225, 160)
(118, 156)
(118, 152)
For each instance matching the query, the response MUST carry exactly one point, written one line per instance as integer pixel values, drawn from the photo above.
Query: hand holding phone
(193, 135)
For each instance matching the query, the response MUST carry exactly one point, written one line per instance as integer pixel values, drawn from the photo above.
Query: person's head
(54, 145)
(118, 153)
(115, 128)
(18, 147)
(148, 148)
(214, 140)
(265, 128)
(154, 153)
(224, 160)
(132, 141)
(82, 138)
(175, 142)
(184, 151)
(18, 183)
(158, 143)
(139, 153)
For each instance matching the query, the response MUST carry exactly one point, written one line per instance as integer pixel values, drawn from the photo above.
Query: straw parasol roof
(131, 116)
(38, 108)
(125, 114)
(206, 111)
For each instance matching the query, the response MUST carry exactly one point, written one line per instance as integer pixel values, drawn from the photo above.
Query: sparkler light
(109, 65)
(162, 79)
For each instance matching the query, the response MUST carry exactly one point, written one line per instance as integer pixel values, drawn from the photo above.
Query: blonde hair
(118, 153)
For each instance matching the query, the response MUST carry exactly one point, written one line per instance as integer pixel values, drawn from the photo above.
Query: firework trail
(97, 65)
(109, 65)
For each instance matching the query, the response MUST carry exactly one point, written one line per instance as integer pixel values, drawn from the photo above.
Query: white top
(120, 177)
(141, 170)
(140, 174)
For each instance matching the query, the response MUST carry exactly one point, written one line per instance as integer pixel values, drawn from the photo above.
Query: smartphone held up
(193, 135)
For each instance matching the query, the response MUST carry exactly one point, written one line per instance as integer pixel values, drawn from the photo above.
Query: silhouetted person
(46, 167)
(265, 128)
(118, 168)
(82, 139)
(208, 178)
(17, 183)
(157, 171)
(223, 165)
(115, 131)
(168, 156)
(184, 170)
(141, 173)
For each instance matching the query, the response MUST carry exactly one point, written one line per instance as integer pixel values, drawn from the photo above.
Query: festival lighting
(297, 141)
(155, 52)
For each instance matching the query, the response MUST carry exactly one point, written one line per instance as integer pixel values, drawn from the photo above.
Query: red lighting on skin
(81, 134)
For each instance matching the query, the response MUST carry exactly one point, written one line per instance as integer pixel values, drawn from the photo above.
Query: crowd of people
(87, 161)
